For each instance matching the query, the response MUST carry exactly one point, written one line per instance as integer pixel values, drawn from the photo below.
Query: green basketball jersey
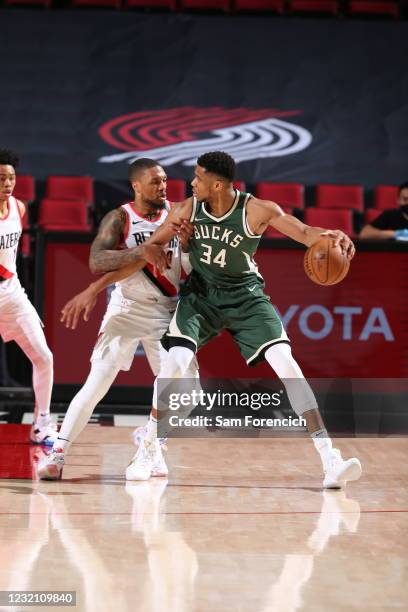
(222, 248)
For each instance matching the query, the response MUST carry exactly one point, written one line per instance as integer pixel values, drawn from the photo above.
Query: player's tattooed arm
(105, 255)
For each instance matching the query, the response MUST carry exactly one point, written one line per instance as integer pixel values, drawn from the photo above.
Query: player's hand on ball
(340, 238)
(84, 301)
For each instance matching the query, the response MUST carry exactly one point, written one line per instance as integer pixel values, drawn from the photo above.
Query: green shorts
(245, 311)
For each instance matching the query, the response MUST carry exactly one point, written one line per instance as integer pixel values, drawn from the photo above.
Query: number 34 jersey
(222, 248)
(147, 283)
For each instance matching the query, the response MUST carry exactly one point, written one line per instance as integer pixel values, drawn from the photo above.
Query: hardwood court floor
(240, 526)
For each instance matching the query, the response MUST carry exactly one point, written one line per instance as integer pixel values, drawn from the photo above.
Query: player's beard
(155, 204)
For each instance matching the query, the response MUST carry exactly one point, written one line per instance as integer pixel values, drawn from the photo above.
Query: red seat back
(330, 219)
(176, 190)
(63, 214)
(25, 188)
(340, 196)
(70, 188)
(284, 194)
(385, 196)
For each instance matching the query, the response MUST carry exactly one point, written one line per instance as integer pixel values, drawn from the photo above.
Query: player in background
(19, 320)
(140, 308)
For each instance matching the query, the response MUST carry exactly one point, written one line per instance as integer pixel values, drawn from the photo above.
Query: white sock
(83, 404)
(151, 429)
(323, 445)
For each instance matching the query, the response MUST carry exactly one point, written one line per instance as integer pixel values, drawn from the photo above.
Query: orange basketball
(326, 264)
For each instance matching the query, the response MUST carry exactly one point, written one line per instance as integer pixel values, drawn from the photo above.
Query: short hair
(402, 186)
(9, 158)
(218, 163)
(139, 166)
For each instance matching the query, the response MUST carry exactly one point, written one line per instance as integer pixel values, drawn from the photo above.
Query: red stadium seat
(240, 185)
(286, 194)
(25, 188)
(223, 5)
(385, 196)
(330, 219)
(371, 214)
(70, 188)
(314, 6)
(176, 190)
(101, 3)
(340, 196)
(170, 4)
(63, 215)
(373, 7)
(278, 6)
(271, 232)
(44, 3)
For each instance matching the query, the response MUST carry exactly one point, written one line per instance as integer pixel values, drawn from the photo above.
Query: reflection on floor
(239, 525)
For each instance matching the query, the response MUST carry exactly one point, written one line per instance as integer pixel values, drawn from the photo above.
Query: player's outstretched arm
(263, 213)
(105, 255)
(84, 302)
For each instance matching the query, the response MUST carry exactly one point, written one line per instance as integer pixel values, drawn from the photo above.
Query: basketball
(326, 264)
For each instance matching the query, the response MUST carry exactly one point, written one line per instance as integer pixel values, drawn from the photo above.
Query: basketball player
(19, 320)
(139, 310)
(225, 291)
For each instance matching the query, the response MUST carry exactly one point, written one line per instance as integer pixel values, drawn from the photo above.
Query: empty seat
(277, 6)
(176, 190)
(63, 215)
(70, 188)
(101, 3)
(330, 219)
(170, 4)
(385, 196)
(25, 188)
(223, 5)
(285, 194)
(330, 7)
(373, 7)
(340, 196)
(240, 185)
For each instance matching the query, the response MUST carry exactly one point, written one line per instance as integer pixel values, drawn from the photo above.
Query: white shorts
(126, 323)
(18, 317)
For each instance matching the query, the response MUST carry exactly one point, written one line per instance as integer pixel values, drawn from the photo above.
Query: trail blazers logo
(180, 135)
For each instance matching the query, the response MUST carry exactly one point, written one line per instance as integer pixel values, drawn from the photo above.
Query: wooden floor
(240, 525)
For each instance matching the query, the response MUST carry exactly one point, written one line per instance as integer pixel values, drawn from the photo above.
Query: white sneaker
(159, 467)
(44, 432)
(339, 471)
(50, 467)
(140, 433)
(140, 467)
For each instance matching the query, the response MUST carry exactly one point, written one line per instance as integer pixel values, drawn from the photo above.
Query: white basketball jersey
(148, 281)
(10, 232)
